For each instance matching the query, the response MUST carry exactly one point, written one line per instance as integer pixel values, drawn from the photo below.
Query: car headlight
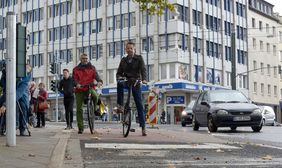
(256, 111)
(184, 113)
(222, 112)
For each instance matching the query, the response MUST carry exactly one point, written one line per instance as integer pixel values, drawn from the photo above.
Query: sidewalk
(44, 148)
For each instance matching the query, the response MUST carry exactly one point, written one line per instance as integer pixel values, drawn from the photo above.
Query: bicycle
(126, 115)
(90, 107)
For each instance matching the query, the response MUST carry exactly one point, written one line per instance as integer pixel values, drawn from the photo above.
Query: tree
(155, 6)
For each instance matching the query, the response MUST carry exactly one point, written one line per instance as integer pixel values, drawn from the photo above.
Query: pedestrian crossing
(136, 146)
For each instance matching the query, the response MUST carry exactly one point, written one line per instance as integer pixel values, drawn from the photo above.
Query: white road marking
(158, 146)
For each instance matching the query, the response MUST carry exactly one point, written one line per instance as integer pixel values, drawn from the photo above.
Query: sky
(277, 5)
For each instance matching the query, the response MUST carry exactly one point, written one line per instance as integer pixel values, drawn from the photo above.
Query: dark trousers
(68, 103)
(40, 116)
(137, 95)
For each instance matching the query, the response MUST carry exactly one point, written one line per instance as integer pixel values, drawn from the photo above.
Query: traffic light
(53, 85)
(53, 68)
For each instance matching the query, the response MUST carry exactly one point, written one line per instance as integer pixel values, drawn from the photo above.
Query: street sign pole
(11, 79)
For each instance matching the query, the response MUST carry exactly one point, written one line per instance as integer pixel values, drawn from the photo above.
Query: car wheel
(183, 124)
(233, 128)
(195, 124)
(211, 126)
(257, 128)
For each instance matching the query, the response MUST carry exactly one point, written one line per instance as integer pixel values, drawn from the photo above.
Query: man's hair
(130, 43)
(83, 54)
(65, 70)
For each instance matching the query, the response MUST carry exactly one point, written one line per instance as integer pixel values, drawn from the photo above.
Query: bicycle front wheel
(90, 115)
(126, 123)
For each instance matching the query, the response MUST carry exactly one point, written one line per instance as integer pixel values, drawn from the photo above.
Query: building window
(254, 43)
(267, 47)
(255, 87)
(197, 15)
(267, 28)
(261, 45)
(253, 22)
(274, 50)
(172, 71)
(262, 89)
(268, 90)
(280, 37)
(163, 71)
(261, 68)
(260, 25)
(146, 48)
(275, 91)
(255, 66)
(268, 70)
(280, 55)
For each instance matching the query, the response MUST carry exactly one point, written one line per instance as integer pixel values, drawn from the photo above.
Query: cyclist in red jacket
(84, 74)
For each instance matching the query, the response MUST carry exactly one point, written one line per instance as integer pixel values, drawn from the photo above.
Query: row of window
(89, 27)
(262, 6)
(61, 56)
(33, 15)
(94, 51)
(213, 23)
(88, 4)
(262, 89)
(121, 21)
(214, 49)
(60, 9)
(261, 27)
(241, 57)
(37, 60)
(35, 38)
(262, 68)
(240, 9)
(59, 33)
(261, 45)
(242, 33)
(7, 3)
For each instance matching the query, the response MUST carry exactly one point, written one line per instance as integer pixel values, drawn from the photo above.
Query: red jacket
(42, 96)
(85, 75)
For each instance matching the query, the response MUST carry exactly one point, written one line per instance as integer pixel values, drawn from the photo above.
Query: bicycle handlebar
(131, 81)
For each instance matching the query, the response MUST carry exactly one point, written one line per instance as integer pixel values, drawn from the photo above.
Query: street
(176, 146)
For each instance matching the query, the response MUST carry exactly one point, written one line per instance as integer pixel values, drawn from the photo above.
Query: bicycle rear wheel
(90, 115)
(126, 122)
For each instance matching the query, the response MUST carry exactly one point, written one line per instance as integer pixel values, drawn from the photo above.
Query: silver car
(268, 115)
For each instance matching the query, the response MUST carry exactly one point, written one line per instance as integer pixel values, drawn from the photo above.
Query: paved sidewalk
(44, 148)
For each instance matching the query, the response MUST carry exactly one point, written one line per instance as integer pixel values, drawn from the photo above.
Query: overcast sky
(277, 5)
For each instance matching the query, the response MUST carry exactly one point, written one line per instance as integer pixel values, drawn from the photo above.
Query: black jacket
(134, 68)
(66, 87)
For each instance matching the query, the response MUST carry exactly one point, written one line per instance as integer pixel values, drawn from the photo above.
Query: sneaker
(119, 109)
(144, 132)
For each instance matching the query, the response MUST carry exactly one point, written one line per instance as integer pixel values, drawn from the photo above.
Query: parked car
(225, 108)
(186, 115)
(268, 115)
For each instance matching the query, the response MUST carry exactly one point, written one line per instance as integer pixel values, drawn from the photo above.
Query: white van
(268, 115)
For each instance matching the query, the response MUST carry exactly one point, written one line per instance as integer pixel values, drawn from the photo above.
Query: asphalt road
(176, 146)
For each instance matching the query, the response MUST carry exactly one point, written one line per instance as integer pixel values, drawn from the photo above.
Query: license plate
(242, 118)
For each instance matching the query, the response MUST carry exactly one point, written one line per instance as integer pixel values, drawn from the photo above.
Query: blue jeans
(137, 95)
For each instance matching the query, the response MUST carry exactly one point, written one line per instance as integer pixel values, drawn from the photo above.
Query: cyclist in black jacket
(133, 68)
(66, 86)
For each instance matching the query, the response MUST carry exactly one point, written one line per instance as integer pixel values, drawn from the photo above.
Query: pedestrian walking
(42, 96)
(66, 86)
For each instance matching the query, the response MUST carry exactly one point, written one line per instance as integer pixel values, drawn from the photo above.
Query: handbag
(43, 105)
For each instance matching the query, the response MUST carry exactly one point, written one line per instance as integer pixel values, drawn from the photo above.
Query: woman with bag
(41, 105)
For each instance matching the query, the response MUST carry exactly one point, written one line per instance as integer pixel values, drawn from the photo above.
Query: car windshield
(227, 97)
